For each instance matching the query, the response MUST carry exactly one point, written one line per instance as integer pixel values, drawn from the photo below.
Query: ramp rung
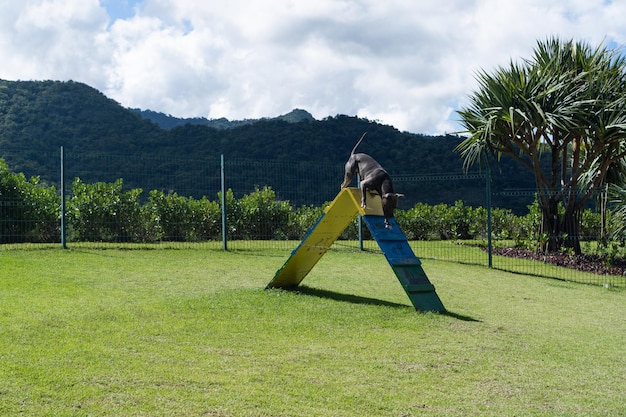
(419, 288)
(411, 275)
(395, 238)
(404, 261)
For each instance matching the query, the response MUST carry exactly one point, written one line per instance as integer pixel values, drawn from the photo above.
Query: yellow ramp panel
(374, 203)
(337, 216)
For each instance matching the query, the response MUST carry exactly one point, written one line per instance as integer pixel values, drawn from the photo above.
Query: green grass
(192, 333)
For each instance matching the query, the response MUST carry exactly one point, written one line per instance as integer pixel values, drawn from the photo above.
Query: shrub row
(106, 212)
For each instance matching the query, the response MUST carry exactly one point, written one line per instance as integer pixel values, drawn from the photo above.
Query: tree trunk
(560, 232)
(604, 199)
(550, 225)
(571, 228)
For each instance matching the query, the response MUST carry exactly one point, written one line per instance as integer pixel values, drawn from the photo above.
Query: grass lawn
(192, 332)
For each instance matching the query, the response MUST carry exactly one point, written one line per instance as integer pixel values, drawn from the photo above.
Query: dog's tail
(358, 143)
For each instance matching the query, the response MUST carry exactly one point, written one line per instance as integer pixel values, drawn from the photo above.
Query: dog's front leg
(363, 194)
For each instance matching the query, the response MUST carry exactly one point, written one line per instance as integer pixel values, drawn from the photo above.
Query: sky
(406, 63)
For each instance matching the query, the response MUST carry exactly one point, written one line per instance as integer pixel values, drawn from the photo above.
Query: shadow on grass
(460, 317)
(347, 298)
(355, 299)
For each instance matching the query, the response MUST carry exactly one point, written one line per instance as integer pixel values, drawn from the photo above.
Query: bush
(418, 222)
(301, 220)
(442, 222)
(207, 219)
(264, 217)
(175, 218)
(234, 216)
(591, 225)
(29, 211)
(104, 212)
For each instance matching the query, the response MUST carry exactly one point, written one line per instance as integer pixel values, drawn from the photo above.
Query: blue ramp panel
(405, 264)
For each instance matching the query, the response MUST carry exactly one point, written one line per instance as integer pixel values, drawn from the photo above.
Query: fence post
(488, 191)
(224, 233)
(359, 220)
(63, 242)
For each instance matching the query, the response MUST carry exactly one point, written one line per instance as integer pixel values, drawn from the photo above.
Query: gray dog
(373, 178)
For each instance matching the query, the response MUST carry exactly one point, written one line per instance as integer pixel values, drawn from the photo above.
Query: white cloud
(52, 40)
(408, 64)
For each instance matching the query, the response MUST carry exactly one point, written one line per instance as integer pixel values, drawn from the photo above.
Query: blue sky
(120, 9)
(409, 64)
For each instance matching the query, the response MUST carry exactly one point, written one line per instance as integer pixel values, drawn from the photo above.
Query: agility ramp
(393, 243)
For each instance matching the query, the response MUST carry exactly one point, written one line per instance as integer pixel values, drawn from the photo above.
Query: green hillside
(38, 117)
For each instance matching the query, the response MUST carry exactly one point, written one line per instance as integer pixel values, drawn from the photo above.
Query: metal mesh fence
(152, 189)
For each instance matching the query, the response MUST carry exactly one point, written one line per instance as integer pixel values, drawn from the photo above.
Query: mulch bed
(588, 263)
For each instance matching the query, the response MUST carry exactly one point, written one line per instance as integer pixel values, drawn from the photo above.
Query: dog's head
(390, 202)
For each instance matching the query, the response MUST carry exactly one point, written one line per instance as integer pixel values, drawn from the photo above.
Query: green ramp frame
(393, 243)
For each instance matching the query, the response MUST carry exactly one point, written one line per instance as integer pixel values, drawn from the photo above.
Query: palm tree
(560, 114)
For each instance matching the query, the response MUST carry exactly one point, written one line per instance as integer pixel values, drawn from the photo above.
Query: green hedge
(106, 212)
(29, 211)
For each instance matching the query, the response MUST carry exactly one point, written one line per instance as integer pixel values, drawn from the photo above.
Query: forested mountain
(167, 121)
(38, 117)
